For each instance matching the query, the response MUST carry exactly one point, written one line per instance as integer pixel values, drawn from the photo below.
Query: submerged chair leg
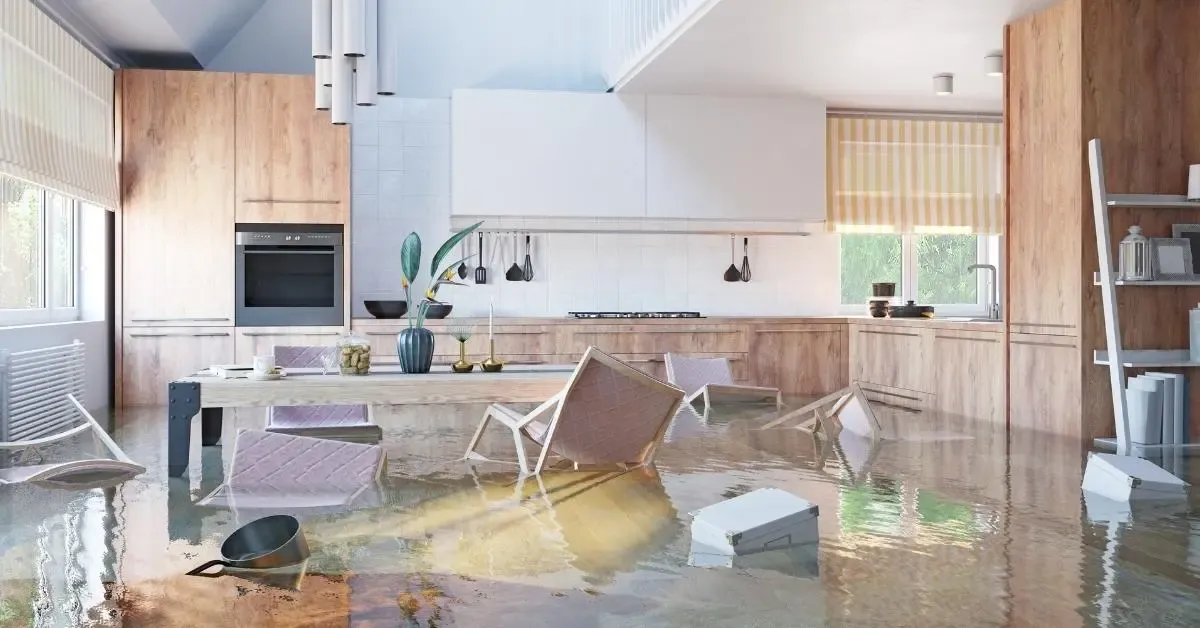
(487, 417)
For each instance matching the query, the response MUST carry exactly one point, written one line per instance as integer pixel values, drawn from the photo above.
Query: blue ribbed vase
(414, 346)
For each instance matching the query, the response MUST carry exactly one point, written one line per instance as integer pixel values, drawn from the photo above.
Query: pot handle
(198, 571)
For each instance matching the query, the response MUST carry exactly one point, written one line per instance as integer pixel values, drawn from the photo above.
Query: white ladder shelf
(1116, 357)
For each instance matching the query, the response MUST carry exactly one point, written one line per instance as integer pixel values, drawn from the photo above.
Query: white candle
(491, 310)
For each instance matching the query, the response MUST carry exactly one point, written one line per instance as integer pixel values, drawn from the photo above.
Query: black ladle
(745, 259)
(732, 273)
(527, 271)
(514, 272)
(462, 266)
(480, 271)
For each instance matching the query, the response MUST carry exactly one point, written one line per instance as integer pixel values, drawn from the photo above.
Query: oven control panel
(292, 239)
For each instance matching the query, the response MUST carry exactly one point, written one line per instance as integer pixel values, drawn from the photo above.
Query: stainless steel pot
(274, 541)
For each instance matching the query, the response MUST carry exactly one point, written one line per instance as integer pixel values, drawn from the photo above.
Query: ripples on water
(936, 528)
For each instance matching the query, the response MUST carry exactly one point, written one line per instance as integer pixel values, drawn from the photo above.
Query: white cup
(264, 364)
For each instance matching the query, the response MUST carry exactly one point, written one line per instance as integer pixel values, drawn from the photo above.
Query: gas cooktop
(634, 314)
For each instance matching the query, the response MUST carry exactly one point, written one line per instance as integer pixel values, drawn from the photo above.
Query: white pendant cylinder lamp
(388, 45)
(324, 92)
(943, 84)
(354, 28)
(993, 64)
(342, 69)
(366, 68)
(322, 28)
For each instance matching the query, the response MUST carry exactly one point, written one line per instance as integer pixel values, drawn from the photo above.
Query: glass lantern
(1136, 257)
(353, 355)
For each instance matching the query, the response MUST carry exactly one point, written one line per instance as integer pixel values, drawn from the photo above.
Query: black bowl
(387, 309)
(438, 310)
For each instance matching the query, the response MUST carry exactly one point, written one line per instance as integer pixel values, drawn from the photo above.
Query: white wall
(401, 183)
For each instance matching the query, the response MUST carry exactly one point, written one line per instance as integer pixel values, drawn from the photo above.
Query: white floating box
(800, 561)
(1125, 479)
(758, 521)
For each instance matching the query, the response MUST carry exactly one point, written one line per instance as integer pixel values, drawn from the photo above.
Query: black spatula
(514, 272)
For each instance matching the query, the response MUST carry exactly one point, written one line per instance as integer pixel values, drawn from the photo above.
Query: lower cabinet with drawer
(153, 356)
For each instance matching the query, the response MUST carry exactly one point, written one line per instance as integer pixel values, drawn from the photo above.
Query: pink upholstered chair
(704, 377)
(609, 414)
(340, 422)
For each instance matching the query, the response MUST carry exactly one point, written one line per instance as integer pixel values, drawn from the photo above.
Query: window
(39, 261)
(930, 269)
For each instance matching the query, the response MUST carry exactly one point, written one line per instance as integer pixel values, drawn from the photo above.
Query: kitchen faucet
(993, 306)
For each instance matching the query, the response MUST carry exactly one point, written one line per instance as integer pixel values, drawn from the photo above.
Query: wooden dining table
(207, 395)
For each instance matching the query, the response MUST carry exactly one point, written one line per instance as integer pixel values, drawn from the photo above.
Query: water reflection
(947, 528)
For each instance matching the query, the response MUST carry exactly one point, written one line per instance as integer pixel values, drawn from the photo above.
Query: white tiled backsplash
(401, 183)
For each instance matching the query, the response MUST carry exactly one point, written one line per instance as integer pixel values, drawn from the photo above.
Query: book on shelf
(230, 371)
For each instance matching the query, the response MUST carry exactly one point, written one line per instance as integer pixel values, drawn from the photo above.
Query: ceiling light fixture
(943, 84)
(994, 64)
(350, 47)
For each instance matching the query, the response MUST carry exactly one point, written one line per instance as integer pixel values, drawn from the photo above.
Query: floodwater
(939, 526)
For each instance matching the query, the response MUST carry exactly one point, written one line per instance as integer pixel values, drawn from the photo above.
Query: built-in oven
(289, 275)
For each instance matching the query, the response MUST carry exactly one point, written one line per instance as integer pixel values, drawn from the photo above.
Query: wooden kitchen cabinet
(177, 210)
(967, 374)
(890, 357)
(541, 153)
(252, 341)
(293, 165)
(799, 359)
(153, 356)
(740, 158)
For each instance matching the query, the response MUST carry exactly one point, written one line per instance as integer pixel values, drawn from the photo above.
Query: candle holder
(461, 333)
(491, 364)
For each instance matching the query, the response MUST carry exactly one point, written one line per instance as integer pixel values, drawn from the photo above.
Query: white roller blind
(56, 108)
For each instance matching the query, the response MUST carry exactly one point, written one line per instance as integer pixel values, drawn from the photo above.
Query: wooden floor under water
(949, 523)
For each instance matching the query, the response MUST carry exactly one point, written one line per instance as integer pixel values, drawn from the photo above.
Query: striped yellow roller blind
(56, 108)
(892, 175)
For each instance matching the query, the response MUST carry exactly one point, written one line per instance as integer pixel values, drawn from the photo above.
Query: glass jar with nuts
(354, 355)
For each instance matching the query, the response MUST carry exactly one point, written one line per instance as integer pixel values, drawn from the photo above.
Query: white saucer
(270, 377)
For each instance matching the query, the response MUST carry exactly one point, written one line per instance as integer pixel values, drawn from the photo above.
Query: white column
(322, 28)
(342, 70)
(366, 68)
(388, 45)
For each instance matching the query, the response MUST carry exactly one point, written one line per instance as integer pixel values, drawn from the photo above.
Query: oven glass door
(289, 285)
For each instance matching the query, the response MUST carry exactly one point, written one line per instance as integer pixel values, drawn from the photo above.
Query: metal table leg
(210, 426)
(183, 402)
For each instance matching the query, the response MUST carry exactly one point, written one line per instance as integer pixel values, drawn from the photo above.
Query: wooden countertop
(939, 323)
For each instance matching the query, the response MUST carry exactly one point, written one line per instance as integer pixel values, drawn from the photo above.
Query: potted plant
(414, 345)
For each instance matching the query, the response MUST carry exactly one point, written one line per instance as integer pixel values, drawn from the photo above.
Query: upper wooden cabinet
(293, 165)
(528, 153)
(177, 180)
(735, 158)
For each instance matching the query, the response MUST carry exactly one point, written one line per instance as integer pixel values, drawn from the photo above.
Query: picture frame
(1191, 233)
(1173, 259)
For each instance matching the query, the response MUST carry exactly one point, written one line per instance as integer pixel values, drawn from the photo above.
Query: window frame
(988, 253)
(48, 313)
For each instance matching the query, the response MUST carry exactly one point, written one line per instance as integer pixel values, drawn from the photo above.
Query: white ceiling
(859, 54)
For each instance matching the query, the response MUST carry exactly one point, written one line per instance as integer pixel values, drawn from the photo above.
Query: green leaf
(453, 265)
(410, 256)
(449, 246)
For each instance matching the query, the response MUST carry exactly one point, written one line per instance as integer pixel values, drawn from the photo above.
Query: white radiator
(33, 391)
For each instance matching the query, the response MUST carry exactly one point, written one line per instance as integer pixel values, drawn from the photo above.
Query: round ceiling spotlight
(994, 64)
(943, 84)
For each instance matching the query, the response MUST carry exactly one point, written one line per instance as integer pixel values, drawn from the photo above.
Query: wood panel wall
(1129, 74)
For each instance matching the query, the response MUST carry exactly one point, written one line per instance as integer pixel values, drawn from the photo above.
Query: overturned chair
(710, 377)
(609, 414)
(345, 423)
(39, 406)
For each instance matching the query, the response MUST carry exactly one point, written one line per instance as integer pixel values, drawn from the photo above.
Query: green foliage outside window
(868, 259)
(942, 275)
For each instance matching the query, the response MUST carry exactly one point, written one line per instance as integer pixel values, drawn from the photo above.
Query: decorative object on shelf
(910, 310)
(414, 345)
(354, 355)
(732, 273)
(878, 307)
(1135, 257)
(491, 364)
(386, 309)
(1194, 333)
(745, 274)
(1172, 258)
(1191, 233)
(883, 289)
(1193, 193)
(462, 333)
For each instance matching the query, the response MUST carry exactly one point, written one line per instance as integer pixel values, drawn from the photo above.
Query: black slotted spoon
(732, 273)
(480, 270)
